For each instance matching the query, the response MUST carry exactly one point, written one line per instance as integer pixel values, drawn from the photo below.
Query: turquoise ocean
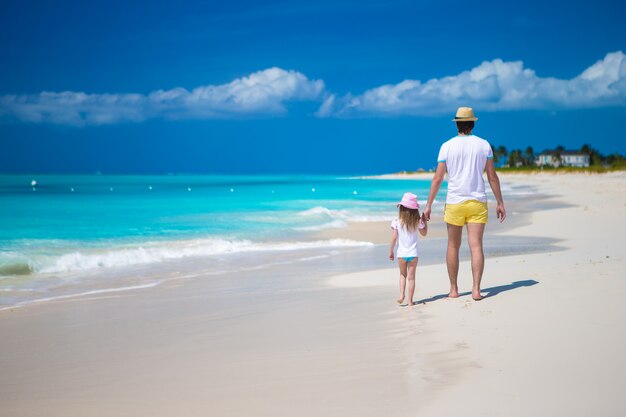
(74, 226)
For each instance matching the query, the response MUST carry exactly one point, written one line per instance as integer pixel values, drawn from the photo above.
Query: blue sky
(341, 87)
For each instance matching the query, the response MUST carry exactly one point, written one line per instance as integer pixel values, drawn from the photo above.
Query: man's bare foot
(477, 297)
(454, 292)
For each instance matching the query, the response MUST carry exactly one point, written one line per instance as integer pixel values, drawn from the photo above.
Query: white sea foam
(319, 210)
(335, 224)
(342, 215)
(515, 190)
(159, 252)
(81, 294)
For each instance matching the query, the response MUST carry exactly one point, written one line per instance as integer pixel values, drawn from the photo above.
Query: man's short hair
(465, 127)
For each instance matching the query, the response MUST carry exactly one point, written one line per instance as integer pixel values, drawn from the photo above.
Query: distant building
(567, 158)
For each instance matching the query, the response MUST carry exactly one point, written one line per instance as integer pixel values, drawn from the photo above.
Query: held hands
(423, 225)
(426, 214)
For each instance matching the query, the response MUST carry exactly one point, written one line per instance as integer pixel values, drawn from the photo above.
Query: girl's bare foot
(400, 300)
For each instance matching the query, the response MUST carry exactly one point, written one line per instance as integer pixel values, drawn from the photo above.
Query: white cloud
(74, 108)
(491, 86)
(261, 93)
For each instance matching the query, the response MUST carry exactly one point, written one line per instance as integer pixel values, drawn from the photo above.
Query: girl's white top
(407, 240)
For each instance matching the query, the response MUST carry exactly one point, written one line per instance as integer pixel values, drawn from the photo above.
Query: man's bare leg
(455, 234)
(475, 232)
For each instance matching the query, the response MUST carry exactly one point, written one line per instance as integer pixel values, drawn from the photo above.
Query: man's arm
(494, 183)
(435, 185)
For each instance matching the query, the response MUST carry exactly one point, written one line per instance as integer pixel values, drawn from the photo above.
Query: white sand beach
(549, 337)
(548, 340)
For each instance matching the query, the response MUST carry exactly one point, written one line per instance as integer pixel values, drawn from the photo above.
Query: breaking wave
(159, 252)
(344, 215)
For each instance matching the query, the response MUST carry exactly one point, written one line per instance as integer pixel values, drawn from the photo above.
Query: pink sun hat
(409, 200)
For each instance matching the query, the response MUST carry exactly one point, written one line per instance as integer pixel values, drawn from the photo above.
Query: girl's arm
(394, 239)
(423, 226)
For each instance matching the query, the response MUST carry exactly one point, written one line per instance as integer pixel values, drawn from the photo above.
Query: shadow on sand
(488, 292)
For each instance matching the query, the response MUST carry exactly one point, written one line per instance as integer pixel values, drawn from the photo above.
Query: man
(465, 158)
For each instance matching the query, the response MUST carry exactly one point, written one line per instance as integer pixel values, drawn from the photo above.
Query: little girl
(404, 231)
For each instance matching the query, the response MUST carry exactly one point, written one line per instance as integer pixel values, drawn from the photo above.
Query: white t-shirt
(407, 241)
(465, 158)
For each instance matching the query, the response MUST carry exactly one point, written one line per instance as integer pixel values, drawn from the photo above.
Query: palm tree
(595, 157)
(529, 155)
(515, 158)
(557, 154)
(502, 152)
(496, 154)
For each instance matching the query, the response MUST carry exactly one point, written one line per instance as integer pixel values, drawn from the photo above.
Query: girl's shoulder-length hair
(409, 218)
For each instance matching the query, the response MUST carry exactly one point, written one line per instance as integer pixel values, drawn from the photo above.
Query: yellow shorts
(470, 211)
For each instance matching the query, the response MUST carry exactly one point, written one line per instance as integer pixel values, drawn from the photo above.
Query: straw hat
(465, 114)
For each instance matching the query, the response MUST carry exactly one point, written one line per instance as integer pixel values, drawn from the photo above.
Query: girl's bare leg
(411, 269)
(403, 272)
